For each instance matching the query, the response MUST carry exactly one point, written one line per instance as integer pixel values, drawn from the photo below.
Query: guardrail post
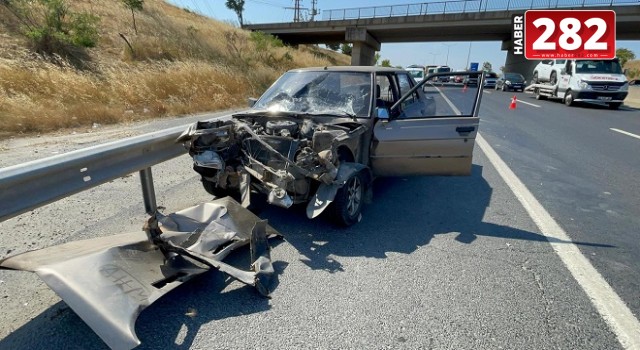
(148, 192)
(464, 7)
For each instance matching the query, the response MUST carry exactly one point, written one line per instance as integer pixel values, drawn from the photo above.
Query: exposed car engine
(281, 153)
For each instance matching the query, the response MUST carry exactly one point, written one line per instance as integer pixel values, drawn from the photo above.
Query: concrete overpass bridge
(456, 20)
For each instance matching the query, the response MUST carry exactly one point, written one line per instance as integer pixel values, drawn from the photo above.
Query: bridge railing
(464, 6)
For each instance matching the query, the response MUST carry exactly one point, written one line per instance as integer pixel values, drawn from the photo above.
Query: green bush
(263, 40)
(52, 29)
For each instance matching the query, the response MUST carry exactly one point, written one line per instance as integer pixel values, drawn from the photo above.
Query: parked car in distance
(490, 80)
(511, 82)
(471, 79)
(319, 136)
(548, 71)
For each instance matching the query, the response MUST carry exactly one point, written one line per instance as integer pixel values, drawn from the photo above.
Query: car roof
(366, 69)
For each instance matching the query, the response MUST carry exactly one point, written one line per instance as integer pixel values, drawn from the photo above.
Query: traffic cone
(464, 88)
(513, 102)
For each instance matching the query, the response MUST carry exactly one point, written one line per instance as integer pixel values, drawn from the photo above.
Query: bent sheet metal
(108, 281)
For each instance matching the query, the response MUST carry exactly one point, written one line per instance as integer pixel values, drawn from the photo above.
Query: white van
(586, 81)
(417, 72)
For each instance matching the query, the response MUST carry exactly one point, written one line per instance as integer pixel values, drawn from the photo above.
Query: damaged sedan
(321, 135)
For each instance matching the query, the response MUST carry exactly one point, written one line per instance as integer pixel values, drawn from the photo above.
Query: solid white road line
(527, 103)
(625, 132)
(612, 309)
(486, 92)
(455, 109)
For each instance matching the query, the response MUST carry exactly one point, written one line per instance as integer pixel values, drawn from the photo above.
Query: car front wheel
(568, 99)
(347, 205)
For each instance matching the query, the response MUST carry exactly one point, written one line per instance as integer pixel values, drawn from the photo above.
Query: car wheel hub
(354, 193)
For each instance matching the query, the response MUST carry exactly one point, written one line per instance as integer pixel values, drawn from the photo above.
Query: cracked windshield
(319, 93)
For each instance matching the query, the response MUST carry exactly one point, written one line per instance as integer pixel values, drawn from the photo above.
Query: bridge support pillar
(517, 63)
(364, 46)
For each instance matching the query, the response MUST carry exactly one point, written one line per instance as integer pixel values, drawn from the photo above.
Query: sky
(453, 54)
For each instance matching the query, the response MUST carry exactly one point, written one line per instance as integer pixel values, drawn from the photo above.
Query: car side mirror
(251, 101)
(382, 113)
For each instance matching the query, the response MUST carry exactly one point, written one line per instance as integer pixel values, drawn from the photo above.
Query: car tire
(614, 105)
(347, 205)
(214, 190)
(554, 78)
(568, 99)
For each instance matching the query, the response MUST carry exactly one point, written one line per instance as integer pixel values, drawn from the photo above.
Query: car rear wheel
(347, 205)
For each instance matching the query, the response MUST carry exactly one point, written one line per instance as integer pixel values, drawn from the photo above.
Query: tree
(386, 63)
(236, 6)
(486, 66)
(624, 55)
(333, 46)
(134, 5)
(376, 58)
(346, 49)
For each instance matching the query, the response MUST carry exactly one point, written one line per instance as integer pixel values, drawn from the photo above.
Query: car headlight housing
(625, 87)
(584, 85)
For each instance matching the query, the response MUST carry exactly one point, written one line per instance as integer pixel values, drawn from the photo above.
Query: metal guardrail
(463, 6)
(31, 185)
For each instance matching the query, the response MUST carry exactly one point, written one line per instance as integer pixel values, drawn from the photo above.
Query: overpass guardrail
(464, 6)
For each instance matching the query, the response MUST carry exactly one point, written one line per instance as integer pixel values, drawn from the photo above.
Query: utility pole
(296, 11)
(314, 10)
(448, 47)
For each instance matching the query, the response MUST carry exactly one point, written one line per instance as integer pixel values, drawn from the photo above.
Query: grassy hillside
(633, 68)
(177, 63)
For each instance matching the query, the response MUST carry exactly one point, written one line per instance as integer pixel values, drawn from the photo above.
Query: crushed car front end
(289, 148)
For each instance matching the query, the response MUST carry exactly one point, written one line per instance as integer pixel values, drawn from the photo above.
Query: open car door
(430, 130)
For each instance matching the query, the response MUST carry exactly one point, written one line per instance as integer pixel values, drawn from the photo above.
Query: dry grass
(181, 63)
(634, 69)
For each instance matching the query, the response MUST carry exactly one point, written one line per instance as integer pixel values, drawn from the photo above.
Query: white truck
(584, 81)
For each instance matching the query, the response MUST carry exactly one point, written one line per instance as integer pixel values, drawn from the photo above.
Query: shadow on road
(406, 213)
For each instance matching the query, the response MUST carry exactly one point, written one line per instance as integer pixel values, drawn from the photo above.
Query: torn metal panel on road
(108, 281)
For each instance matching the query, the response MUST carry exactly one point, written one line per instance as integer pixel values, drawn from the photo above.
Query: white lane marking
(455, 109)
(486, 92)
(612, 309)
(625, 132)
(527, 103)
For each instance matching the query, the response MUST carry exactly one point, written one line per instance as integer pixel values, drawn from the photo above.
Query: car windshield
(598, 66)
(319, 92)
(416, 73)
(514, 77)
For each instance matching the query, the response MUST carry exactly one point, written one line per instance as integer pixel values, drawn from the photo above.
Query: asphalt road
(437, 262)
